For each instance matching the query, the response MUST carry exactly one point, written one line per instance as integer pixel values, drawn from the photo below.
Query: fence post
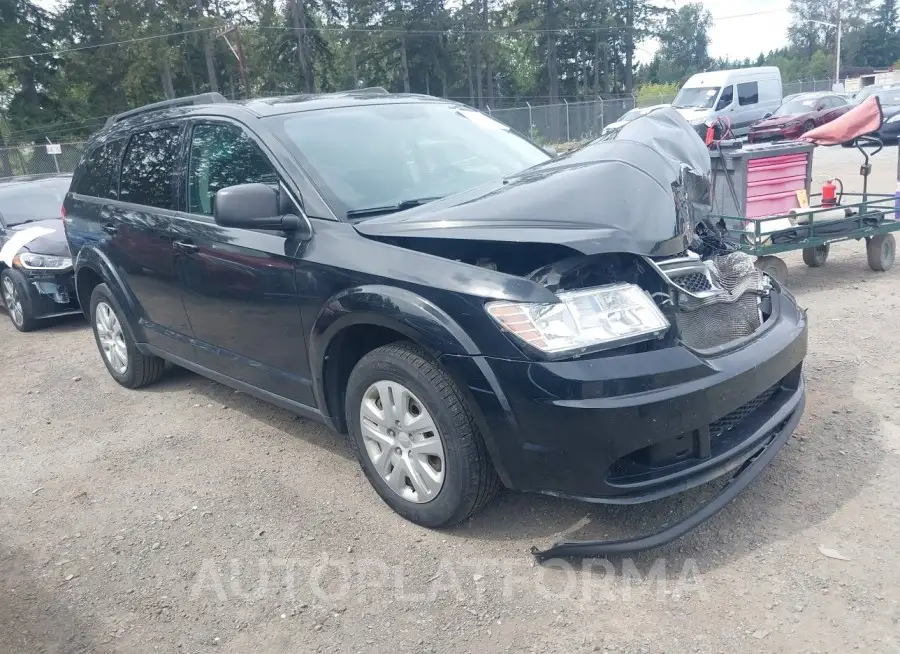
(530, 121)
(602, 119)
(488, 107)
(55, 160)
(568, 138)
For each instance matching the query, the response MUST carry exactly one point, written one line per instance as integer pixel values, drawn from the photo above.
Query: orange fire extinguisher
(829, 194)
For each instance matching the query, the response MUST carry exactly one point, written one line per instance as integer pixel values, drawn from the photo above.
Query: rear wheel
(816, 257)
(880, 251)
(415, 437)
(17, 300)
(808, 125)
(116, 344)
(774, 267)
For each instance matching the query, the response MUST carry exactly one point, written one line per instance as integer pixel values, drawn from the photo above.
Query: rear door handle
(185, 246)
(110, 228)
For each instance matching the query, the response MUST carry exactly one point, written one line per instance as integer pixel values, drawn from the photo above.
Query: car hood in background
(692, 113)
(642, 192)
(40, 237)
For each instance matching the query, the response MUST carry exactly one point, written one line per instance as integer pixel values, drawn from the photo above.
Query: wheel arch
(92, 268)
(361, 319)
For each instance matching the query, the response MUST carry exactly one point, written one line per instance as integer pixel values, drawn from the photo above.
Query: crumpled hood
(641, 192)
(40, 237)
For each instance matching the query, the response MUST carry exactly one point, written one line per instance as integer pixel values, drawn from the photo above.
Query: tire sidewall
(457, 474)
(100, 294)
(22, 289)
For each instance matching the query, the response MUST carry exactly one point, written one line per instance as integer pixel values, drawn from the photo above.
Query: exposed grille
(732, 314)
(693, 282)
(716, 324)
(733, 419)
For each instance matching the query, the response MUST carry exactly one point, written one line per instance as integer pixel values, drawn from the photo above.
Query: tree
(684, 45)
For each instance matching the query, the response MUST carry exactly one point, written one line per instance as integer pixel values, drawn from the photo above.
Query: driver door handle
(110, 228)
(186, 246)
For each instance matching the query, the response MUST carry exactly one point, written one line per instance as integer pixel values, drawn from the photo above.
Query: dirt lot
(187, 517)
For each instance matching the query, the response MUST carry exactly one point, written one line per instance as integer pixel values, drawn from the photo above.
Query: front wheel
(415, 437)
(808, 125)
(17, 300)
(817, 256)
(116, 344)
(774, 267)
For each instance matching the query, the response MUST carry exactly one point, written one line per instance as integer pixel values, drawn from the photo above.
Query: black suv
(471, 310)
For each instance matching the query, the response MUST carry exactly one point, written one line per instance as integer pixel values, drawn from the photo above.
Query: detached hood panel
(641, 190)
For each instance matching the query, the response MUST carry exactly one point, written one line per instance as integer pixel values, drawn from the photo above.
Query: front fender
(92, 258)
(394, 308)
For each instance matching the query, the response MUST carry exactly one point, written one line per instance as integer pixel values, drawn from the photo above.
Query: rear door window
(148, 169)
(748, 93)
(96, 175)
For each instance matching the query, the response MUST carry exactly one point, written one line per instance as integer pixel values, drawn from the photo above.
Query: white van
(742, 95)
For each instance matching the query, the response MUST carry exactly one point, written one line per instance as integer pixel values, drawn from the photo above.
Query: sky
(735, 34)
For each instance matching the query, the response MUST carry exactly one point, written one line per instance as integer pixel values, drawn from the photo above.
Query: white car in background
(626, 118)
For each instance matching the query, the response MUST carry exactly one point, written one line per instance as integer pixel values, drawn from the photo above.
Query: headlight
(893, 119)
(592, 318)
(31, 261)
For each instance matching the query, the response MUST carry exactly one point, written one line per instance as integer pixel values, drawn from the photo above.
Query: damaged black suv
(472, 311)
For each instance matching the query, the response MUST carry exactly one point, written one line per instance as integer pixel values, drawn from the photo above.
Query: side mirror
(768, 114)
(253, 206)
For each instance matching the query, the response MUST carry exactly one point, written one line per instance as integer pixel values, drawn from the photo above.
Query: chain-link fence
(39, 159)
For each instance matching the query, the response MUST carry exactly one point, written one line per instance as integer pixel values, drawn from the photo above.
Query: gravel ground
(187, 517)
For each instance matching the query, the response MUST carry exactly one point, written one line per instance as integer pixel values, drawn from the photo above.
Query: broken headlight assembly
(587, 319)
(31, 261)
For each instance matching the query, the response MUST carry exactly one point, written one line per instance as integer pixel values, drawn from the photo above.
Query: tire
(774, 267)
(137, 369)
(808, 125)
(816, 257)
(17, 300)
(880, 251)
(469, 480)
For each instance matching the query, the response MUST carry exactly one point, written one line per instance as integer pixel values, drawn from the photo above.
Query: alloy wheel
(12, 301)
(402, 441)
(112, 338)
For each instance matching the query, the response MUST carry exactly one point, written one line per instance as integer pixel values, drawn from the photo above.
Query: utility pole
(238, 50)
(837, 48)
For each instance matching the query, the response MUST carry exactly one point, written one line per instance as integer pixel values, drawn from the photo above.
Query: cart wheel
(773, 267)
(880, 252)
(815, 257)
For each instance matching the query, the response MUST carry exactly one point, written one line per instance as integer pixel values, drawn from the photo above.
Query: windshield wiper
(394, 208)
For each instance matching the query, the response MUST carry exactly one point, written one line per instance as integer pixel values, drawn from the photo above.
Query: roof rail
(187, 101)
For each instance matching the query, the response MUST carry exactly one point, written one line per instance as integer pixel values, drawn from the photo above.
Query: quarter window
(748, 93)
(148, 169)
(95, 176)
(222, 156)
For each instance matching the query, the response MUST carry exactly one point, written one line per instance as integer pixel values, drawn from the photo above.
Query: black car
(470, 310)
(36, 276)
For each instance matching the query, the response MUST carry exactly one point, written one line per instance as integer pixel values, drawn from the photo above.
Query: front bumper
(52, 293)
(638, 427)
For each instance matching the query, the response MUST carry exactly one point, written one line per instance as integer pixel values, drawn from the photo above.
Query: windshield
(21, 202)
(698, 97)
(798, 106)
(378, 156)
(891, 96)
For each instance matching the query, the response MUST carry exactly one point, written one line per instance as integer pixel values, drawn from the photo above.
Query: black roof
(215, 104)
